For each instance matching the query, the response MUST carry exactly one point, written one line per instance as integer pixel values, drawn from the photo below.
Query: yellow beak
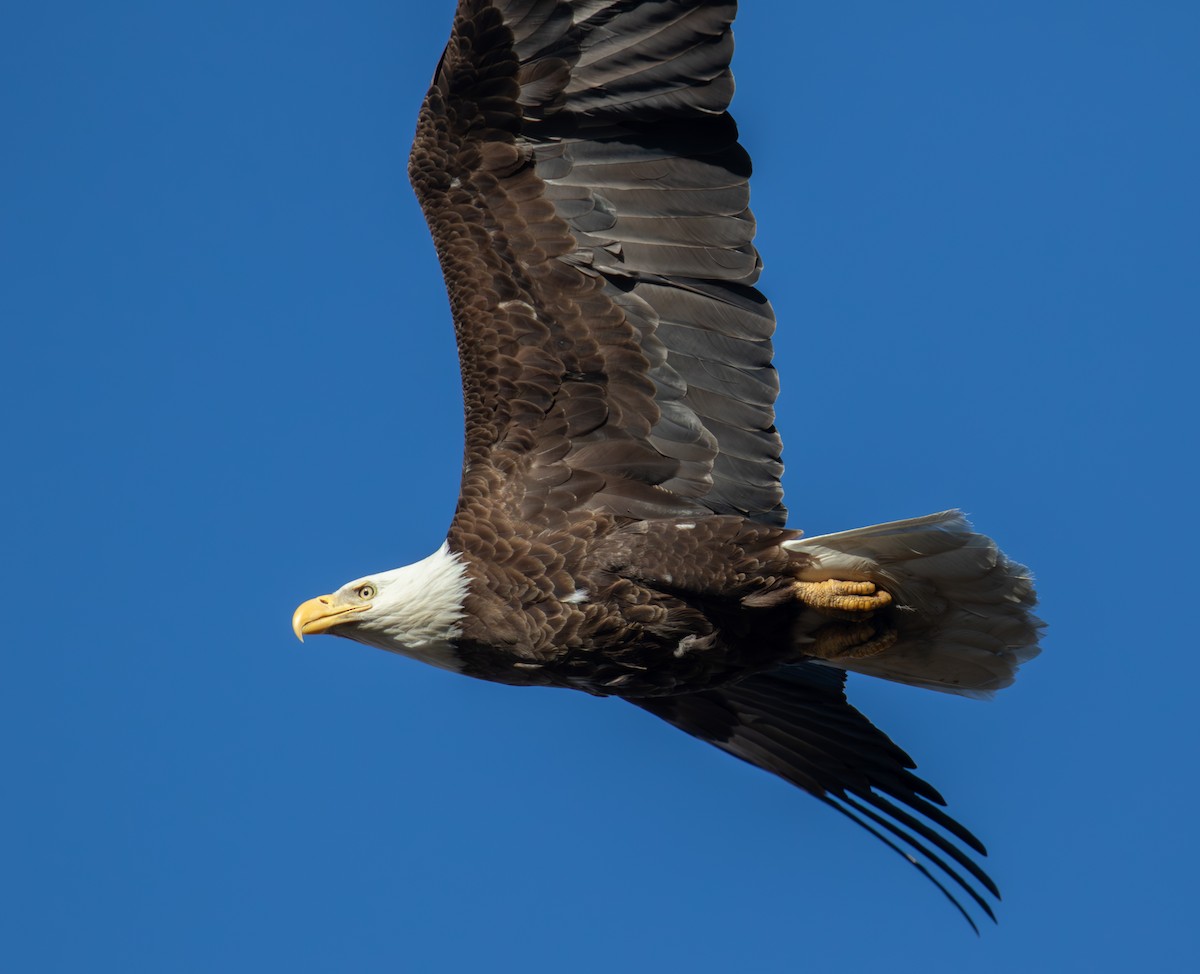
(320, 614)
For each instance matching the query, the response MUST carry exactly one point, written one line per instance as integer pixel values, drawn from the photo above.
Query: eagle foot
(839, 642)
(834, 596)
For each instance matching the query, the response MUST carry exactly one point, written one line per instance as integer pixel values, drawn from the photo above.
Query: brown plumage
(620, 528)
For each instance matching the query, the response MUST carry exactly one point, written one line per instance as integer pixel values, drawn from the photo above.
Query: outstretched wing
(796, 723)
(588, 197)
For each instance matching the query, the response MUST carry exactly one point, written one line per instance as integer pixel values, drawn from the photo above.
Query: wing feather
(588, 197)
(796, 723)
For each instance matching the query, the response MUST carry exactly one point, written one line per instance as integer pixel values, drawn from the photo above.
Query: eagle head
(414, 610)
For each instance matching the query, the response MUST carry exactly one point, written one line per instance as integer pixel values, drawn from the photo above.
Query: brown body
(670, 605)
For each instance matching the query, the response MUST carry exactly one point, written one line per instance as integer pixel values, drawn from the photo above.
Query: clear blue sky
(230, 385)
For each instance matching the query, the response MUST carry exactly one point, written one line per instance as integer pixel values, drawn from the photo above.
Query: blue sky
(230, 385)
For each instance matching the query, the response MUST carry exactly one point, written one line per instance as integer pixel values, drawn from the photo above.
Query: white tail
(963, 611)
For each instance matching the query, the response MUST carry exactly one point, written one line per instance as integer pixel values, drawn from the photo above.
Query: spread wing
(588, 197)
(796, 723)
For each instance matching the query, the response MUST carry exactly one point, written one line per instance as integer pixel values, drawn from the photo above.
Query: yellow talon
(835, 595)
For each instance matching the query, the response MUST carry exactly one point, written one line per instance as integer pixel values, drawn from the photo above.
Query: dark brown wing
(797, 724)
(588, 198)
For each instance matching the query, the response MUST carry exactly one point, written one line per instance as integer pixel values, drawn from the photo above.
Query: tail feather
(962, 609)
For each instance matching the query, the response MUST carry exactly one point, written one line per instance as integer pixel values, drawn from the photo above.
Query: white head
(414, 610)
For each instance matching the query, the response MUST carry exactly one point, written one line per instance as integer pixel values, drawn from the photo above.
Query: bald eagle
(620, 528)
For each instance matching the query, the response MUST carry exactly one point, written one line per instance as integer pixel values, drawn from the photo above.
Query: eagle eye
(366, 592)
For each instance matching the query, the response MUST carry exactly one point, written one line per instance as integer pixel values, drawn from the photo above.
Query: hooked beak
(321, 614)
